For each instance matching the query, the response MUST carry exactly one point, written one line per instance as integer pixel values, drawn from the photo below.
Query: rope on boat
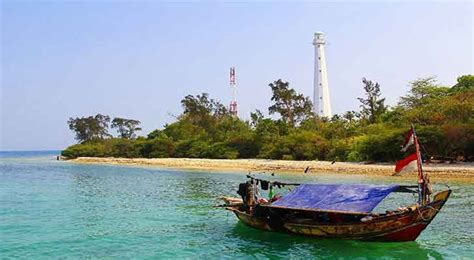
(421, 215)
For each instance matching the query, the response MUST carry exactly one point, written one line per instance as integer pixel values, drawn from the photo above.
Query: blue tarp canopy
(338, 197)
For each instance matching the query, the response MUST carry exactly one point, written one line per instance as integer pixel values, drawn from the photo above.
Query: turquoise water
(51, 209)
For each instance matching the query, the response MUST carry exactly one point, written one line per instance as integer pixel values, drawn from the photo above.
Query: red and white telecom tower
(233, 103)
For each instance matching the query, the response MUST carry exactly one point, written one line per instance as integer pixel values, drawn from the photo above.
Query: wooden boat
(342, 211)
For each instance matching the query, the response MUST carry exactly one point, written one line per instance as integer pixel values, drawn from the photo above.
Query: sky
(62, 59)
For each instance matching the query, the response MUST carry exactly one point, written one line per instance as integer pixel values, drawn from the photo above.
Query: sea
(53, 209)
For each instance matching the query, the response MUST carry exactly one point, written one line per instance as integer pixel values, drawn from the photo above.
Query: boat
(341, 211)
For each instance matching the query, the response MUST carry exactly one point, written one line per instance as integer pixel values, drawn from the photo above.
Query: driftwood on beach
(464, 171)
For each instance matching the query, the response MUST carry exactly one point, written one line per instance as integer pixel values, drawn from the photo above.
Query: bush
(193, 148)
(118, 147)
(305, 145)
(85, 150)
(220, 150)
(244, 145)
(459, 140)
(271, 150)
(159, 147)
(340, 149)
(379, 147)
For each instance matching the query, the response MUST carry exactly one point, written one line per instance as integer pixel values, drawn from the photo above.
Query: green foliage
(298, 145)
(422, 91)
(340, 150)
(114, 147)
(118, 147)
(373, 107)
(92, 128)
(202, 111)
(458, 107)
(159, 147)
(430, 104)
(292, 107)
(126, 128)
(379, 147)
(184, 129)
(221, 150)
(193, 148)
(154, 134)
(443, 118)
(85, 150)
(305, 145)
(459, 140)
(465, 83)
(256, 117)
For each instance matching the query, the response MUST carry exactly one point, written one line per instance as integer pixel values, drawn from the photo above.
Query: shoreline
(437, 172)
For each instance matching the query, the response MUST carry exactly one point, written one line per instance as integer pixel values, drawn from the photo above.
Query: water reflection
(115, 211)
(271, 244)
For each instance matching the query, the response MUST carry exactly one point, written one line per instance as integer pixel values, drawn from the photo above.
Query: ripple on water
(55, 209)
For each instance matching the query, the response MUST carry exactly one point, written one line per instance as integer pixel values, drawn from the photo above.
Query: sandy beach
(461, 172)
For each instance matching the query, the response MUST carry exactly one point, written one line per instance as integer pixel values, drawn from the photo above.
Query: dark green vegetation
(442, 115)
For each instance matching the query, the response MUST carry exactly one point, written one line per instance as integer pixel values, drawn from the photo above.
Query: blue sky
(139, 59)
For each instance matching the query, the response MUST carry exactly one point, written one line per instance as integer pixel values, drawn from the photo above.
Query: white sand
(463, 172)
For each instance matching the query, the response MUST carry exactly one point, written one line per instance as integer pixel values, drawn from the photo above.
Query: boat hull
(395, 227)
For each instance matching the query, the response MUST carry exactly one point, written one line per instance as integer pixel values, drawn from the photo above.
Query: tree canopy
(464, 83)
(205, 129)
(292, 107)
(90, 128)
(373, 106)
(126, 128)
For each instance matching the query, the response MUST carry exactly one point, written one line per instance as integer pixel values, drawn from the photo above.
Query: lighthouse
(321, 100)
(233, 102)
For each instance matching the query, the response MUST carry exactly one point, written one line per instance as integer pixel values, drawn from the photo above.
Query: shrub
(159, 147)
(85, 150)
(384, 146)
(305, 145)
(119, 147)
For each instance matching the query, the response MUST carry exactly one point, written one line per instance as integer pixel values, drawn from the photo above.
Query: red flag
(409, 140)
(405, 162)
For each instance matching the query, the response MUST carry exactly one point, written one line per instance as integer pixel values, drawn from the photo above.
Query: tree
(202, 110)
(304, 145)
(292, 107)
(90, 128)
(200, 105)
(351, 116)
(444, 118)
(427, 103)
(465, 82)
(372, 105)
(256, 117)
(154, 134)
(126, 128)
(422, 91)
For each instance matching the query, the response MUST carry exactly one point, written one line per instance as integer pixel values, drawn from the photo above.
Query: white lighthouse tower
(321, 100)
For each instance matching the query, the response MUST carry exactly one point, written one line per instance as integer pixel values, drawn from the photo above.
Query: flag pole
(421, 178)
